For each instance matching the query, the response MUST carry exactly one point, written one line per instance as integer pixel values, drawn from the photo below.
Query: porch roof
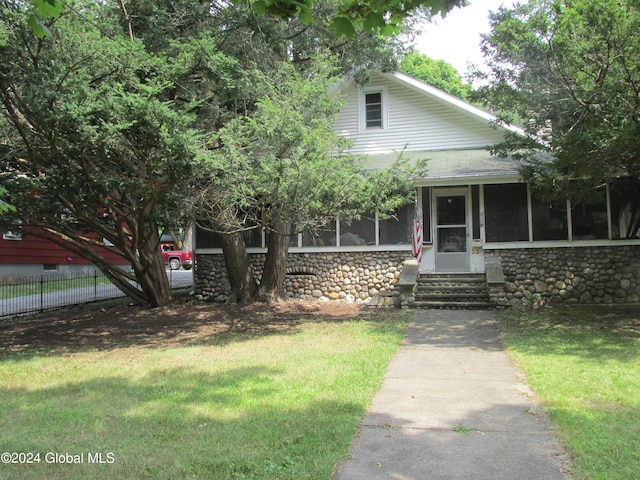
(455, 167)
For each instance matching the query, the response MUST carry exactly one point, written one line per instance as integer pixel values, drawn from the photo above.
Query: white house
(472, 206)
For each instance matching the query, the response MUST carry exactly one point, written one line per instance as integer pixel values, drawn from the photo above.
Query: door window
(451, 218)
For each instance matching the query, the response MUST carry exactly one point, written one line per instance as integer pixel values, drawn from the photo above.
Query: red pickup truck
(176, 258)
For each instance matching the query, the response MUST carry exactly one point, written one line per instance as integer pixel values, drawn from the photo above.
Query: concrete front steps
(451, 290)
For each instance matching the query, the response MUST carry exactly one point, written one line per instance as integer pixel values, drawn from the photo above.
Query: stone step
(453, 305)
(451, 290)
(452, 281)
(451, 287)
(451, 294)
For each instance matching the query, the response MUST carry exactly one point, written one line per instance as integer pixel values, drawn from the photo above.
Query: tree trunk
(148, 267)
(187, 243)
(244, 287)
(153, 280)
(275, 265)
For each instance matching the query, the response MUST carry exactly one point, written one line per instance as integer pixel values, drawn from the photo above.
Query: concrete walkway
(452, 407)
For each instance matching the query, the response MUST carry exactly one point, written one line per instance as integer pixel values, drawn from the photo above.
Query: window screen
(358, 232)
(475, 211)
(373, 110)
(426, 215)
(506, 212)
(549, 220)
(397, 231)
(324, 237)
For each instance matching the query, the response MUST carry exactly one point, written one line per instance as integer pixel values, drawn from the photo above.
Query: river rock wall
(586, 275)
(346, 276)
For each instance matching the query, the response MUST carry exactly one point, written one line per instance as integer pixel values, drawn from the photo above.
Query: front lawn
(584, 365)
(189, 392)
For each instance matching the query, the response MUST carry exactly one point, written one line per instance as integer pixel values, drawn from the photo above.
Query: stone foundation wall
(347, 276)
(538, 276)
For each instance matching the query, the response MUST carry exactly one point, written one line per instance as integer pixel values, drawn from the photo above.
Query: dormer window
(373, 109)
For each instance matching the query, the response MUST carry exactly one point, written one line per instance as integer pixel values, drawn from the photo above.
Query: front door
(451, 229)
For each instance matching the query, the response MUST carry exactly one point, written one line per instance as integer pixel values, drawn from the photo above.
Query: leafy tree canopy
(285, 169)
(106, 117)
(438, 73)
(386, 17)
(92, 145)
(569, 71)
(4, 206)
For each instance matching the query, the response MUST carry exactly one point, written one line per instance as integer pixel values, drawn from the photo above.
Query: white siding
(417, 121)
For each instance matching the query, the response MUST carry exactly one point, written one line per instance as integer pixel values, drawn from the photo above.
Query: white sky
(456, 38)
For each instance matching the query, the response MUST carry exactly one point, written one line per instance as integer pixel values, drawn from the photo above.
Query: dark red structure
(30, 255)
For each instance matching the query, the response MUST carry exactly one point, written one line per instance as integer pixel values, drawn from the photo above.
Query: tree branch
(126, 19)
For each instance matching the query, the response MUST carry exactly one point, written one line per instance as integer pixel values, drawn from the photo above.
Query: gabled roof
(457, 160)
(420, 117)
(450, 100)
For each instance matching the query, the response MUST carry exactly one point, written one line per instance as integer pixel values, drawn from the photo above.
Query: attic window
(373, 109)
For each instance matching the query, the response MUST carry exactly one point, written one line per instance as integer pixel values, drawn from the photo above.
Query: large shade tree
(93, 150)
(137, 85)
(262, 46)
(285, 169)
(386, 17)
(569, 72)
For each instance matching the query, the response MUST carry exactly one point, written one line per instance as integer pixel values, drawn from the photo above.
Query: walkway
(452, 407)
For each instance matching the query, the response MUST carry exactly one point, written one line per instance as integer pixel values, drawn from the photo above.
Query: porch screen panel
(475, 211)
(358, 232)
(549, 220)
(293, 237)
(396, 230)
(426, 215)
(324, 237)
(506, 212)
(625, 208)
(589, 221)
(207, 239)
(253, 236)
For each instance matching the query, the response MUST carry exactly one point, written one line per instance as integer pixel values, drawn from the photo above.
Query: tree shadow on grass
(592, 333)
(176, 423)
(118, 324)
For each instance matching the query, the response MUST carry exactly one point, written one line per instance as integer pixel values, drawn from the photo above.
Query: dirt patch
(120, 324)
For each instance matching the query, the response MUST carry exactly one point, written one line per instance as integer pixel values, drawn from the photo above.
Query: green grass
(245, 406)
(584, 364)
(464, 429)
